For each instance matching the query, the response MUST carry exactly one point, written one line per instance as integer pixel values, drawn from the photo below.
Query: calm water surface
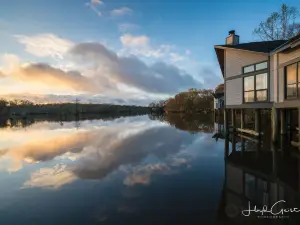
(130, 170)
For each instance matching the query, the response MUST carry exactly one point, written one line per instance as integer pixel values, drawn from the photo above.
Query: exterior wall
(279, 67)
(273, 78)
(281, 85)
(236, 59)
(285, 58)
(234, 91)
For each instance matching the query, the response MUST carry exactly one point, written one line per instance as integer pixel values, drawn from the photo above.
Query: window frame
(255, 89)
(254, 64)
(297, 81)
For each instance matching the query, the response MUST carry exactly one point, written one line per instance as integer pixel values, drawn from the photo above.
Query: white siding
(236, 59)
(234, 91)
(285, 57)
(282, 58)
(273, 78)
(281, 85)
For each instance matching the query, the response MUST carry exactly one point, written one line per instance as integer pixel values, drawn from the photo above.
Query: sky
(118, 51)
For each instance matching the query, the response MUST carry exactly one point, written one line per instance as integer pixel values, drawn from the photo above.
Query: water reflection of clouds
(98, 149)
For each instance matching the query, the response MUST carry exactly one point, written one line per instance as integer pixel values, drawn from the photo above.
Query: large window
(292, 80)
(255, 67)
(256, 88)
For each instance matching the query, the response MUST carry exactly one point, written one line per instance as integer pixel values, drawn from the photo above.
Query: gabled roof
(288, 45)
(262, 46)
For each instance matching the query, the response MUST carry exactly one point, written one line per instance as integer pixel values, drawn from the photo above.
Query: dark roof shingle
(263, 46)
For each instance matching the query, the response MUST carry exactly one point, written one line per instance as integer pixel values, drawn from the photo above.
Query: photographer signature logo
(275, 211)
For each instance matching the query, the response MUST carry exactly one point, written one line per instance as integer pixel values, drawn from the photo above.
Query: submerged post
(233, 119)
(233, 140)
(282, 121)
(257, 120)
(289, 119)
(299, 123)
(274, 117)
(225, 121)
(242, 118)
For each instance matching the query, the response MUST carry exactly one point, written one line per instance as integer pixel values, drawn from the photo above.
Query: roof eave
(286, 46)
(221, 62)
(239, 49)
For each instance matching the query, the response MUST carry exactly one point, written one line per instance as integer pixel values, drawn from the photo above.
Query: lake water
(138, 170)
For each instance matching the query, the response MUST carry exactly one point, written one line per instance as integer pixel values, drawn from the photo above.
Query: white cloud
(52, 178)
(121, 11)
(141, 45)
(99, 2)
(9, 61)
(158, 77)
(174, 57)
(134, 41)
(91, 68)
(142, 175)
(93, 5)
(125, 27)
(45, 45)
(188, 52)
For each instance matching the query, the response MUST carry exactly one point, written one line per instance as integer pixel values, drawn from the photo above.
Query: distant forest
(191, 101)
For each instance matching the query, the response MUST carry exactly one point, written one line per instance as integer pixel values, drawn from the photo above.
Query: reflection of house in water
(219, 132)
(262, 176)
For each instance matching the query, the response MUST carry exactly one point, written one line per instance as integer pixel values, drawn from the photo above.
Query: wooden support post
(225, 121)
(289, 118)
(226, 153)
(243, 146)
(233, 141)
(242, 118)
(274, 118)
(233, 119)
(257, 120)
(282, 121)
(299, 125)
(274, 161)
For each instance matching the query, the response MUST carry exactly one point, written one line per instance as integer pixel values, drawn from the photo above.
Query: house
(218, 100)
(260, 75)
(286, 72)
(260, 177)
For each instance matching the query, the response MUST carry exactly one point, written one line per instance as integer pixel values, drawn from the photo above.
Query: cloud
(99, 70)
(99, 2)
(156, 78)
(142, 175)
(52, 178)
(121, 11)
(125, 27)
(210, 77)
(134, 41)
(141, 46)
(45, 45)
(2, 74)
(41, 148)
(43, 73)
(188, 52)
(176, 57)
(93, 5)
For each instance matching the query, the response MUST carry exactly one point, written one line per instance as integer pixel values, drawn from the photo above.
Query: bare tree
(280, 25)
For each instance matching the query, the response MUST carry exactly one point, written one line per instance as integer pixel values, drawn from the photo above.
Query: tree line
(193, 100)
